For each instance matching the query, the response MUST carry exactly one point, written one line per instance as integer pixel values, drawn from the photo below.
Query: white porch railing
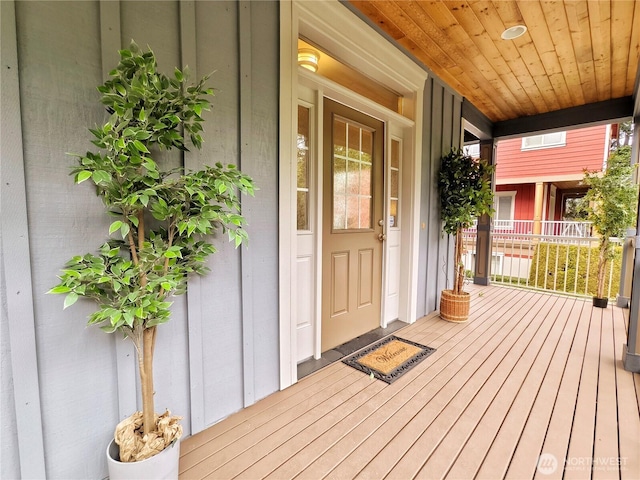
(567, 229)
(547, 227)
(562, 263)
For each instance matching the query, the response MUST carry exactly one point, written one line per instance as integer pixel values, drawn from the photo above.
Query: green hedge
(546, 268)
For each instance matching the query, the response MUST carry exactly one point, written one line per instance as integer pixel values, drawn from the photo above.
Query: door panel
(339, 283)
(352, 210)
(365, 277)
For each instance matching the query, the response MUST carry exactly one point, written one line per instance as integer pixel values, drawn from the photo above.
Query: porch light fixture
(514, 32)
(308, 58)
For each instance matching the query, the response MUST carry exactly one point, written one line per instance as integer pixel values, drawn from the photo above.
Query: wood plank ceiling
(573, 53)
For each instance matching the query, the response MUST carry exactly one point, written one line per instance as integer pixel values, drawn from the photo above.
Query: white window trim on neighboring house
(546, 141)
(505, 224)
(473, 150)
(334, 27)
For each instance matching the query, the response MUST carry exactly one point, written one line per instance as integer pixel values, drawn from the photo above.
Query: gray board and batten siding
(65, 386)
(441, 131)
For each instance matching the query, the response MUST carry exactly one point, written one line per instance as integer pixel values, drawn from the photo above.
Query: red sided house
(538, 177)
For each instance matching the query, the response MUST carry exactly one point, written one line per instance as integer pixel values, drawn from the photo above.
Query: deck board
(628, 417)
(558, 429)
(451, 428)
(457, 339)
(484, 366)
(582, 432)
(398, 431)
(530, 373)
(250, 433)
(275, 403)
(521, 464)
(607, 412)
(492, 444)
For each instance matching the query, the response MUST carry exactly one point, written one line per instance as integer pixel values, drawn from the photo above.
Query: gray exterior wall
(442, 130)
(219, 353)
(65, 386)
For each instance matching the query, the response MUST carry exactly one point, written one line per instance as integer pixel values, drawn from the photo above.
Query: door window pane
(353, 214)
(365, 179)
(365, 211)
(302, 186)
(367, 145)
(394, 187)
(354, 142)
(395, 183)
(303, 210)
(339, 212)
(352, 176)
(339, 176)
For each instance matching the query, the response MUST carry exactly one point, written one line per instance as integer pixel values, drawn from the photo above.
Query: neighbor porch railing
(563, 228)
(553, 262)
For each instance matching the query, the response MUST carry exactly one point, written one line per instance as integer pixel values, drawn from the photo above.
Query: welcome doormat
(389, 359)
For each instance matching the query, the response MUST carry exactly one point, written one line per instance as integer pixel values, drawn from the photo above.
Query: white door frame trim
(338, 30)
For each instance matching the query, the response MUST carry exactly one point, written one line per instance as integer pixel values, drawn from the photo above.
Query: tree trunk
(602, 267)
(145, 351)
(458, 279)
(145, 365)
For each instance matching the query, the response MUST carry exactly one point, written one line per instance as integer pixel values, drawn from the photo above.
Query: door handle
(382, 237)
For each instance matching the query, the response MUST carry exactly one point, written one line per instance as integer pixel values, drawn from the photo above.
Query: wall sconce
(308, 58)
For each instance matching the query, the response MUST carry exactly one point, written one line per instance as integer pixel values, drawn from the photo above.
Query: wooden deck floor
(529, 375)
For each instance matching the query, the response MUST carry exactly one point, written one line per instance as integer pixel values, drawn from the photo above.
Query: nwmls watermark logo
(549, 464)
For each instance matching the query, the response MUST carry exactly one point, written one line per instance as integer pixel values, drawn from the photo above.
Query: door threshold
(335, 354)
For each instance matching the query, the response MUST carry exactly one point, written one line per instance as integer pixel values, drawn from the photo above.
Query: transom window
(547, 140)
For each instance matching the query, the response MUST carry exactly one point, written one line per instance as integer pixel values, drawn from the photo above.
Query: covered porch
(530, 377)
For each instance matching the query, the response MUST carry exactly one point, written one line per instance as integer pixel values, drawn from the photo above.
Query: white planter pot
(163, 466)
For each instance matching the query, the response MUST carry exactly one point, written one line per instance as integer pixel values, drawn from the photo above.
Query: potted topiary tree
(464, 185)
(610, 203)
(163, 217)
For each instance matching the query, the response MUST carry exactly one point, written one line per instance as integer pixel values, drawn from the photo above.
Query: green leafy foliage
(464, 185)
(164, 219)
(612, 201)
(612, 196)
(571, 274)
(465, 190)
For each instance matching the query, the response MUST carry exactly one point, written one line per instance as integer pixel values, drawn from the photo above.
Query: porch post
(631, 351)
(538, 208)
(626, 270)
(482, 274)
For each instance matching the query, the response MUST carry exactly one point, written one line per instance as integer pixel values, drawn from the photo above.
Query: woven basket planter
(453, 307)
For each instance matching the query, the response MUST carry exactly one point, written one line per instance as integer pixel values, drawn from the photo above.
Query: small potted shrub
(464, 185)
(160, 233)
(611, 204)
